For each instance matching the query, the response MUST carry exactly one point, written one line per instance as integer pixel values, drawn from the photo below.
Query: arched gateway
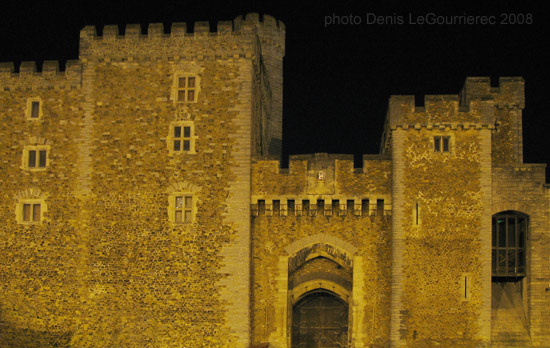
(317, 305)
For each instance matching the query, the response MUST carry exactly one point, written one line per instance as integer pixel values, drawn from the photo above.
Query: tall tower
(441, 167)
(147, 143)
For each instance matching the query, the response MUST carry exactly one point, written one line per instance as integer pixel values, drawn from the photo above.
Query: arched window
(509, 239)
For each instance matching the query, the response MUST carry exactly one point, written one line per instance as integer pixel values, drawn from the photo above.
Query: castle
(144, 205)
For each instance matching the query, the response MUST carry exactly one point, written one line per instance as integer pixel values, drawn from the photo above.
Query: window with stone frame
(34, 108)
(181, 138)
(509, 237)
(186, 88)
(183, 209)
(442, 143)
(35, 157)
(30, 211)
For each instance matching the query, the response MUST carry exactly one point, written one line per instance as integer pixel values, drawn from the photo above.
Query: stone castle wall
(41, 286)
(409, 232)
(111, 269)
(440, 213)
(287, 210)
(522, 188)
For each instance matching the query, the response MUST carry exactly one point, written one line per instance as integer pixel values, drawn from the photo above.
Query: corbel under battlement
(313, 205)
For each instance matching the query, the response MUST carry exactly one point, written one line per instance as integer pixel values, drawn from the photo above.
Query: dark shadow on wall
(11, 337)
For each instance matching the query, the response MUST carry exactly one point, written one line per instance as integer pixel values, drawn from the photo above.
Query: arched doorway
(320, 287)
(319, 264)
(320, 320)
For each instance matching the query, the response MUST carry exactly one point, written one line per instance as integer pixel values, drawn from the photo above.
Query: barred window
(509, 238)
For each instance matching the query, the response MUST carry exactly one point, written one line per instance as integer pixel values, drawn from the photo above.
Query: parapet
(29, 77)
(322, 184)
(472, 109)
(509, 93)
(323, 175)
(132, 42)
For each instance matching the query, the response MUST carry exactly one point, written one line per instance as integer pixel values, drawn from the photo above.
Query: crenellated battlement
(229, 39)
(29, 77)
(246, 36)
(509, 93)
(241, 25)
(329, 178)
(473, 108)
(439, 111)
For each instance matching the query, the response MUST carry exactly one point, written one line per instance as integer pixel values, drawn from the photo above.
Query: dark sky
(338, 77)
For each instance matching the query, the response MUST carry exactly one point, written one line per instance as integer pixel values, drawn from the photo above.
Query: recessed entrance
(320, 320)
(319, 300)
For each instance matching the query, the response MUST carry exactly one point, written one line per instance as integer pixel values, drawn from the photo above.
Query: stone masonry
(144, 205)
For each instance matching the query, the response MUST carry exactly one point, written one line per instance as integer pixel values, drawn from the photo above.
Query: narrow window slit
(380, 207)
(365, 207)
(291, 207)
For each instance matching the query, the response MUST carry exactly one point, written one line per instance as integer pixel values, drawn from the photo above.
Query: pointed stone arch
(346, 285)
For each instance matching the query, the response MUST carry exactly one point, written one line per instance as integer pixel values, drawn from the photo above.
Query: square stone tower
(126, 185)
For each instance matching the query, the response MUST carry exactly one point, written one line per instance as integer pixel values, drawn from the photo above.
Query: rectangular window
(365, 207)
(182, 138)
(380, 207)
(465, 291)
(261, 207)
(26, 212)
(276, 207)
(291, 206)
(320, 205)
(36, 212)
(186, 88)
(35, 109)
(445, 144)
(31, 212)
(32, 158)
(305, 206)
(183, 209)
(442, 144)
(350, 206)
(35, 157)
(437, 144)
(335, 207)
(509, 236)
(42, 159)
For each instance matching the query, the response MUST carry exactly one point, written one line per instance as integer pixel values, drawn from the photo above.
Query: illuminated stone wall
(40, 283)
(351, 219)
(405, 240)
(441, 223)
(106, 267)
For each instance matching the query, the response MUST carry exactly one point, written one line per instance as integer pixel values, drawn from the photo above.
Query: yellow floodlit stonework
(158, 214)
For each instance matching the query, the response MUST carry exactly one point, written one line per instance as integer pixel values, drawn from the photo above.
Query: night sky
(337, 77)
